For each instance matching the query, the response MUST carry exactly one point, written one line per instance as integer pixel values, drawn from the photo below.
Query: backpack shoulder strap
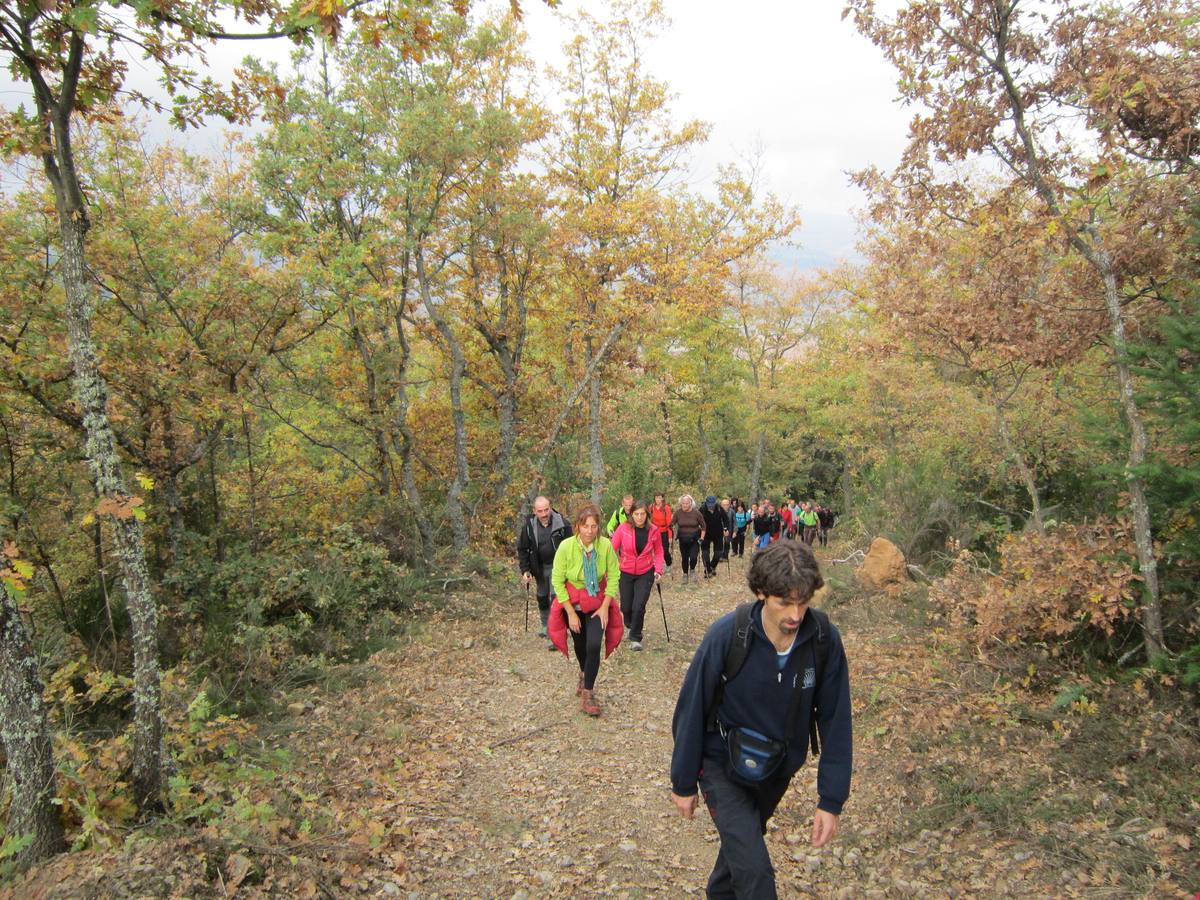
(821, 652)
(735, 658)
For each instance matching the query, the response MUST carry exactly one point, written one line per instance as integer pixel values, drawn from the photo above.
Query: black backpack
(739, 649)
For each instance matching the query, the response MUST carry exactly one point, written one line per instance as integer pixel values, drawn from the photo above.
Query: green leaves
(84, 17)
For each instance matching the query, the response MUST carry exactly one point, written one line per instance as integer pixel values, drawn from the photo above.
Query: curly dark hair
(785, 569)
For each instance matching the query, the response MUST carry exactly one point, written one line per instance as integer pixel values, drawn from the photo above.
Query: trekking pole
(663, 607)
(527, 607)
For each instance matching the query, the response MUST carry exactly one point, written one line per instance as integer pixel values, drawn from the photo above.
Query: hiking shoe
(542, 632)
(637, 645)
(588, 703)
(685, 577)
(550, 646)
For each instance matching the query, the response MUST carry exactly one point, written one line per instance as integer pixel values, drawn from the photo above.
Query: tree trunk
(507, 419)
(454, 502)
(26, 736)
(595, 450)
(1152, 629)
(760, 449)
(383, 463)
(705, 455)
(102, 581)
(662, 405)
(168, 479)
(551, 440)
(458, 365)
(1022, 467)
(1092, 249)
(251, 483)
(215, 497)
(405, 441)
(91, 393)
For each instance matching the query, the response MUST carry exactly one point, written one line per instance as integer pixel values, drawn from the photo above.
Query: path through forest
(469, 760)
(459, 765)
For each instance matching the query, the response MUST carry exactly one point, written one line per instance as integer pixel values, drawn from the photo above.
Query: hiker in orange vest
(660, 517)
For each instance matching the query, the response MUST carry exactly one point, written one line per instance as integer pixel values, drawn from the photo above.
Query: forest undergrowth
(456, 763)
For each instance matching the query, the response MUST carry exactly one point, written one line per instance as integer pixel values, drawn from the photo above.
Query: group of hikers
(768, 679)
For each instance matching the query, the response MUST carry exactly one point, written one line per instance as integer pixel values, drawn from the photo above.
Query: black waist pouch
(753, 757)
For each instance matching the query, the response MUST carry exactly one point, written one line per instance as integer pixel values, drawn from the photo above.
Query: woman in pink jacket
(640, 552)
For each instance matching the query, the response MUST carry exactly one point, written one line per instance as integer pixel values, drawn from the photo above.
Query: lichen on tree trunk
(26, 737)
(91, 393)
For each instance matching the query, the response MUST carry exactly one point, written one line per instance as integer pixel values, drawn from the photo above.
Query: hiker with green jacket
(587, 580)
(809, 521)
(620, 515)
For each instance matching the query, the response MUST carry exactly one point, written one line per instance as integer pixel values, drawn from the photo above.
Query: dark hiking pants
(635, 593)
(711, 549)
(739, 541)
(689, 549)
(544, 593)
(666, 542)
(743, 869)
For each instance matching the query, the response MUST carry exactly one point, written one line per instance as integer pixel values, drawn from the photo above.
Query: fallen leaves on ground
(460, 765)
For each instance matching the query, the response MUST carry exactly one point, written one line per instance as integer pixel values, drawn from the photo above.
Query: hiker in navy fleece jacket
(781, 658)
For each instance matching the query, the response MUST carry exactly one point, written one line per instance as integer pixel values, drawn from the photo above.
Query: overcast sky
(788, 77)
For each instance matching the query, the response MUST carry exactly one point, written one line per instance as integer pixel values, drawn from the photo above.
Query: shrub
(253, 614)
(1074, 582)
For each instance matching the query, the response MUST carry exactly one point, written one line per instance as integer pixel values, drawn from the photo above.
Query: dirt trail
(489, 781)
(460, 765)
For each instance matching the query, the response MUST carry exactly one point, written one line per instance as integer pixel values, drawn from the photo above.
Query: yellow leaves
(16, 572)
(327, 13)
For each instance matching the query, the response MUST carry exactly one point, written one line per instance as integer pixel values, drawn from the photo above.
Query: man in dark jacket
(825, 519)
(784, 654)
(730, 526)
(766, 525)
(715, 525)
(536, 545)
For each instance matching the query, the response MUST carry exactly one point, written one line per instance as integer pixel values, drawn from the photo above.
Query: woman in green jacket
(586, 579)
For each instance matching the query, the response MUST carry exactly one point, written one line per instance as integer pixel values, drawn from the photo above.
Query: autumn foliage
(1072, 582)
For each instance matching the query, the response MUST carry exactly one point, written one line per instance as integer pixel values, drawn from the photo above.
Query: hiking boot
(685, 577)
(637, 645)
(579, 689)
(588, 703)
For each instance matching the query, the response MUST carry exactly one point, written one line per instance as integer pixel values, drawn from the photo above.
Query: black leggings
(635, 593)
(738, 543)
(589, 645)
(689, 551)
(666, 542)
